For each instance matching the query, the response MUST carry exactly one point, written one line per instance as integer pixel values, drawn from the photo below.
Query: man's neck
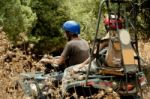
(75, 38)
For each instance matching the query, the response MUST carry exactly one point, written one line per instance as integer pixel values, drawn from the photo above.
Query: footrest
(112, 71)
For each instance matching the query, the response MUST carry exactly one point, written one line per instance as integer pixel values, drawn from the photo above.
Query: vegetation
(16, 18)
(35, 25)
(144, 19)
(33, 21)
(40, 21)
(83, 11)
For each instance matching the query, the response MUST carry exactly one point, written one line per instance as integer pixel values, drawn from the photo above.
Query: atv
(117, 73)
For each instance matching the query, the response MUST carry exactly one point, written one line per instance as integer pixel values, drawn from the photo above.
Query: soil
(14, 61)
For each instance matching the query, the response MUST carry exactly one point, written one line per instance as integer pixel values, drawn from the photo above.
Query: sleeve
(66, 52)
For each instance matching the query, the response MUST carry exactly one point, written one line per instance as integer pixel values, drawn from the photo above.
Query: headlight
(34, 89)
(124, 36)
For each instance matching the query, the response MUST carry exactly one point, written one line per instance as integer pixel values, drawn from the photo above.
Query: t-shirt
(76, 51)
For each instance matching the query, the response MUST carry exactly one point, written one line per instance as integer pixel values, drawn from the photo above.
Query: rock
(108, 90)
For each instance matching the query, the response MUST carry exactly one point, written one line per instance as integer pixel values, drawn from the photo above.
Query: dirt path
(14, 61)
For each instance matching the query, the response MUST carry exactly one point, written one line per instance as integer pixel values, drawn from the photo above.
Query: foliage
(16, 18)
(50, 17)
(143, 19)
(36, 21)
(85, 12)
(40, 21)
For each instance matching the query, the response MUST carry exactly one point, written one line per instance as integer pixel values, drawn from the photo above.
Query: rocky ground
(13, 61)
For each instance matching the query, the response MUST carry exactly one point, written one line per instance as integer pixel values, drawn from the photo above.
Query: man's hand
(46, 60)
(50, 61)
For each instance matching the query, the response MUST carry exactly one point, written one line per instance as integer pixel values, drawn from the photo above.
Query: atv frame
(107, 76)
(125, 80)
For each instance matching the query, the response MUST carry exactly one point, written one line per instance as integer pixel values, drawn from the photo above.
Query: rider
(76, 50)
(111, 27)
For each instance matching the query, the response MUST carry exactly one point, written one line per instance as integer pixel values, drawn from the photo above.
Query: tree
(143, 19)
(85, 12)
(16, 18)
(50, 17)
(35, 21)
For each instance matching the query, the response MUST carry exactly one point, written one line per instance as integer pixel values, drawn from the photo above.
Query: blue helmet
(72, 27)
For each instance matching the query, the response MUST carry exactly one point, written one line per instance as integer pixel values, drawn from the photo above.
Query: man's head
(72, 29)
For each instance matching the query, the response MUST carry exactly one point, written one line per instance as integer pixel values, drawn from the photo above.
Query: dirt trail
(14, 61)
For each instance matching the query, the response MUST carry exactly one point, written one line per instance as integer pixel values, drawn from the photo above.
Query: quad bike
(118, 64)
(118, 71)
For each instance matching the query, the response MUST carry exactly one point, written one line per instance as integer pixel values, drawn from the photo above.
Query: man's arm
(54, 61)
(59, 60)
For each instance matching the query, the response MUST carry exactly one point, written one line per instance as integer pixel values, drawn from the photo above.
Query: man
(110, 25)
(76, 50)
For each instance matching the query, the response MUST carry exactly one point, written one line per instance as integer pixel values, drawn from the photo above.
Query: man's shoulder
(82, 44)
(80, 40)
